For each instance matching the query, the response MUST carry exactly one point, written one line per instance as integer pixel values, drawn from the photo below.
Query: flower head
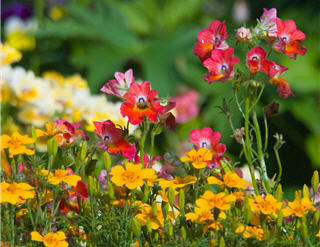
(220, 65)
(186, 107)
(120, 85)
(289, 39)
(254, 58)
(210, 39)
(198, 158)
(16, 144)
(68, 132)
(201, 215)
(230, 179)
(112, 140)
(206, 138)
(16, 193)
(283, 89)
(8, 54)
(243, 34)
(132, 176)
(211, 200)
(253, 232)
(177, 182)
(267, 205)
(51, 239)
(141, 102)
(267, 26)
(61, 176)
(299, 207)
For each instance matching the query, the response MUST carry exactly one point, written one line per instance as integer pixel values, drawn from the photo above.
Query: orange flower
(299, 207)
(51, 130)
(132, 176)
(16, 193)
(177, 182)
(267, 205)
(51, 239)
(211, 200)
(16, 144)
(199, 158)
(318, 234)
(230, 179)
(253, 231)
(201, 215)
(61, 176)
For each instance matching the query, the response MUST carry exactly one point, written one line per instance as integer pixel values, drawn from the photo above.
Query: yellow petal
(36, 236)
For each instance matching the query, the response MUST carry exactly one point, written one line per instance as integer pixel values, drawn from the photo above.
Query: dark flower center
(255, 58)
(142, 103)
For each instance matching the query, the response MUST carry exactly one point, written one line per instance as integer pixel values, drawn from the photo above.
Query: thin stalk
(257, 99)
(13, 231)
(152, 147)
(265, 132)
(279, 165)
(247, 146)
(145, 127)
(260, 152)
(30, 215)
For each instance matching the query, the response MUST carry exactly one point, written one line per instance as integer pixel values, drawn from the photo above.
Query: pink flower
(273, 69)
(186, 106)
(119, 86)
(141, 102)
(220, 65)
(283, 89)
(289, 39)
(112, 140)
(210, 38)
(268, 23)
(254, 58)
(206, 138)
(68, 132)
(243, 34)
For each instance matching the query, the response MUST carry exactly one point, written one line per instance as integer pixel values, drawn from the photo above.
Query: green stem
(13, 227)
(279, 165)
(265, 178)
(151, 148)
(265, 132)
(247, 146)
(145, 127)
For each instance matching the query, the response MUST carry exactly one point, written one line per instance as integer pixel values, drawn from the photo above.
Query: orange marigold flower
(16, 144)
(51, 239)
(230, 179)
(16, 193)
(177, 182)
(299, 207)
(201, 215)
(239, 195)
(198, 158)
(211, 200)
(253, 232)
(267, 205)
(61, 176)
(132, 176)
(318, 234)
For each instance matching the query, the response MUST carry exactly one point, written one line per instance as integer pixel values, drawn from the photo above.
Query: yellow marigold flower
(9, 54)
(239, 229)
(198, 158)
(239, 195)
(215, 225)
(51, 130)
(16, 144)
(177, 182)
(61, 176)
(132, 176)
(16, 193)
(230, 179)
(211, 200)
(164, 194)
(201, 215)
(318, 234)
(298, 207)
(156, 221)
(51, 239)
(253, 232)
(267, 205)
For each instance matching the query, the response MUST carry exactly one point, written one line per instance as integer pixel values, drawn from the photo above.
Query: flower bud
(279, 193)
(34, 134)
(110, 191)
(183, 233)
(106, 161)
(305, 191)
(170, 228)
(83, 151)
(181, 200)
(315, 181)
(280, 219)
(165, 210)
(136, 227)
(155, 209)
(222, 242)
(171, 196)
(91, 186)
(146, 193)
(149, 228)
(243, 34)
(156, 236)
(316, 216)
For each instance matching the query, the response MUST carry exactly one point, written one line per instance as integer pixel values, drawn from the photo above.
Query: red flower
(112, 140)
(289, 39)
(273, 69)
(283, 89)
(186, 106)
(68, 132)
(206, 138)
(141, 102)
(210, 39)
(254, 58)
(120, 85)
(220, 65)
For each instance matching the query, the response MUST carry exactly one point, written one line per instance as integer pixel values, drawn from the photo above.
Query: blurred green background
(156, 37)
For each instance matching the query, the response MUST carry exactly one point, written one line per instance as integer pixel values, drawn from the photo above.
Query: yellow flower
(299, 207)
(201, 215)
(239, 229)
(146, 212)
(51, 239)
(21, 41)
(239, 195)
(16, 144)
(230, 179)
(253, 231)
(177, 182)
(16, 193)
(211, 200)
(57, 13)
(51, 130)
(267, 205)
(61, 176)
(164, 194)
(198, 158)
(318, 234)
(8, 54)
(132, 176)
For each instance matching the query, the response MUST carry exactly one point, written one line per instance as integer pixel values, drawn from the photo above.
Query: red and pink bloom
(68, 132)
(186, 107)
(113, 141)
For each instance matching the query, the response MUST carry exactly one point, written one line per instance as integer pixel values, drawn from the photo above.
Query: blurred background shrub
(155, 38)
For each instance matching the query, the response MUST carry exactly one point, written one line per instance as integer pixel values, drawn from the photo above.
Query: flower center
(142, 103)
(255, 58)
(106, 139)
(14, 143)
(285, 38)
(204, 144)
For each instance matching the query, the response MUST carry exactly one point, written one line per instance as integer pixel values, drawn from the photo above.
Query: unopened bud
(222, 242)
(107, 161)
(279, 193)
(155, 208)
(181, 200)
(183, 233)
(170, 228)
(83, 151)
(110, 191)
(315, 181)
(149, 228)
(316, 216)
(146, 193)
(165, 210)
(136, 227)
(280, 219)
(238, 134)
(243, 34)
(305, 191)
(171, 196)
